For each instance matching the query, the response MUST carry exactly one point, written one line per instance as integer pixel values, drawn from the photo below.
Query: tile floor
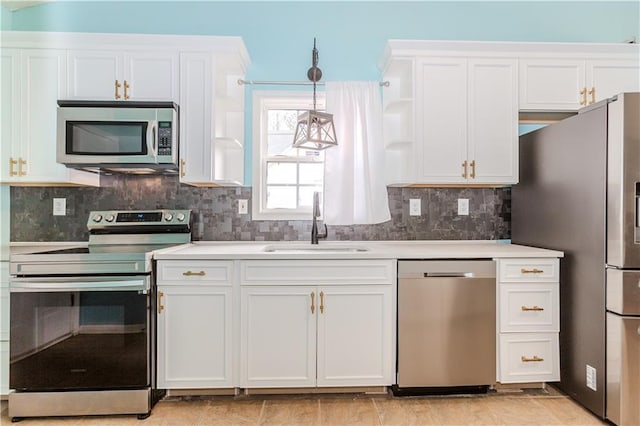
(537, 407)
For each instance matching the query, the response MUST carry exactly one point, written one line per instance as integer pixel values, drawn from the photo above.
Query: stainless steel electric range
(82, 321)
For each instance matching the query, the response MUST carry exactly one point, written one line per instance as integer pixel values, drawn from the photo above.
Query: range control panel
(139, 218)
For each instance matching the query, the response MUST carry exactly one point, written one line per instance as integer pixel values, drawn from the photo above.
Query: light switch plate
(59, 206)
(463, 206)
(414, 207)
(243, 206)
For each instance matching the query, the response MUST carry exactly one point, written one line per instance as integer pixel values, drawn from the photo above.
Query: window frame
(263, 101)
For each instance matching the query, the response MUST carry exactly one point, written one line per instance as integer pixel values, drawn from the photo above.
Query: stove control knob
(109, 218)
(180, 217)
(97, 217)
(168, 217)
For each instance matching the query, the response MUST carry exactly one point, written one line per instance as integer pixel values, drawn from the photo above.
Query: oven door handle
(25, 286)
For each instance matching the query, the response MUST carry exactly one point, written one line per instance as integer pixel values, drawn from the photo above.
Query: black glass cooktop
(111, 248)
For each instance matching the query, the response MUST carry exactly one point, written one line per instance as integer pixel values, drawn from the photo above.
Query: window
(284, 178)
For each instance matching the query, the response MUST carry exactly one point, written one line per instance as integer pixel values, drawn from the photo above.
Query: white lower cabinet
(528, 320)
(529, 357)
(278, 336)
(195, 324)
(337, 333)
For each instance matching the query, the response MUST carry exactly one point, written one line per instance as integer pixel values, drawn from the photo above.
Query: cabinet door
(278, 336)
(196, 143)
(608, 77)
(43, 83)
(95, 75)
(442, 120)
(355, 343)
(552, 84)
(194, 337)
(493, 121)
(9, 114)
(150, 76)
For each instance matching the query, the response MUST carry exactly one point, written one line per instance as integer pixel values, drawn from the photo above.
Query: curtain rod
(293, 83)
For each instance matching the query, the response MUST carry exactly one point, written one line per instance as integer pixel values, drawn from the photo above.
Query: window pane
(305, 197)
(311, 173)
(282, 173)
(281, 125)
(282, 120)
(281, 197)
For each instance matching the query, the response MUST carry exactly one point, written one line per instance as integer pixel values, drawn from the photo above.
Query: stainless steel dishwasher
(446, 326)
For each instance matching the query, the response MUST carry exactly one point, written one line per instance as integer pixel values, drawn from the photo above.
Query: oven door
(79, 333)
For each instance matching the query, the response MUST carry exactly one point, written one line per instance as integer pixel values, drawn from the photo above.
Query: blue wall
(351, 35)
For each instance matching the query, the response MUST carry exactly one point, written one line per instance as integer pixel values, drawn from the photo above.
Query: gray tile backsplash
(216, 219)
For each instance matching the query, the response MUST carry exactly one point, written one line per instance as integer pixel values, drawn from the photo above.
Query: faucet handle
(325, 234)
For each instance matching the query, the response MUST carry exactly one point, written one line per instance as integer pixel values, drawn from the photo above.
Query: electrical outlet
(591, 378)
(463, 206)
(243, 206)
(414, 207)
(59, 206)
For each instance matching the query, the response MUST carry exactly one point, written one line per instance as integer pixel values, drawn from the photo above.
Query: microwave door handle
(152, 142)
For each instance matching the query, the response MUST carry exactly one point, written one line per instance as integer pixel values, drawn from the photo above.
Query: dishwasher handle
(448, 275)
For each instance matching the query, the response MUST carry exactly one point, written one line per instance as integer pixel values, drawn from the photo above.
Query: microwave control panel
(164, 138)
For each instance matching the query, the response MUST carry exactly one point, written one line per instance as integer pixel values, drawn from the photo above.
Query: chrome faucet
(316, 213)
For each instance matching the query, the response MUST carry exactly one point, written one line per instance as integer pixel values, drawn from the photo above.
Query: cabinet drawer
(189, 272)
(317, 272)
(531, 307)
(533, 270)
(529, 357)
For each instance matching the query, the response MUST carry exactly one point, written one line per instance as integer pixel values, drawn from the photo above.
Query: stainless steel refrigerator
(579, 192)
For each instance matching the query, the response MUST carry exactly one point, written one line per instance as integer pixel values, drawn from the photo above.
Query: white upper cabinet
(450, 112)
(492, 120)
(453, 117)
(32, 82)
(567, 77)
(441, 143)
(212, 119)
(551, 84)
(118, 75)
(199, 73)
(606, 78)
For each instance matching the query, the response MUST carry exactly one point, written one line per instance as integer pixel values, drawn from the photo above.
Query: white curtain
(354, 186)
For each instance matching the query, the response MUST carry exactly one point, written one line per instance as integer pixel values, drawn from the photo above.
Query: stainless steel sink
(320, 248)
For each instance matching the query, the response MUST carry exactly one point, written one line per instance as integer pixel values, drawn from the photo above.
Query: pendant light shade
(314, 130)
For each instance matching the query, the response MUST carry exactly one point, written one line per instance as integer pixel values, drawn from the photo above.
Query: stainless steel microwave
(118, 137)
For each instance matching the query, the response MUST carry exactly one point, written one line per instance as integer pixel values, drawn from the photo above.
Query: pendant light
(314, 130)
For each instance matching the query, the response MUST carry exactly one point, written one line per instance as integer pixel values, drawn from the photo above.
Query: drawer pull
(191, 273)
(535, 358)
(531, 271)
(533, 308)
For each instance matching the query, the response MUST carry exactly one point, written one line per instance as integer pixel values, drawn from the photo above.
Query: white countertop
(204, 250)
